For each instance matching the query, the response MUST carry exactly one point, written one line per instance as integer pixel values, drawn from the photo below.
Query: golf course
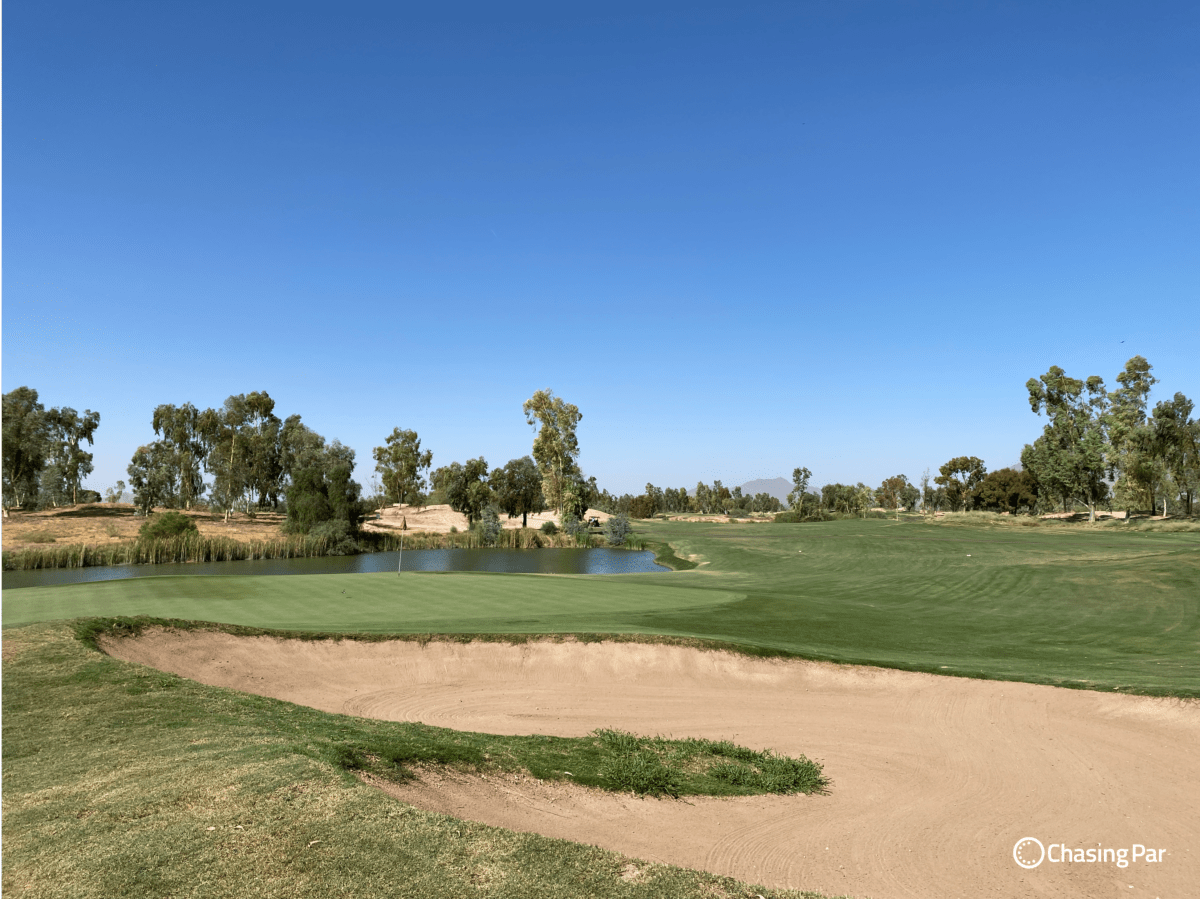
(209, 770)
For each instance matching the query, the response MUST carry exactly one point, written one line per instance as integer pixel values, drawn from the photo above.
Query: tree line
(549, 478)
(1097, 447)
(242, 456)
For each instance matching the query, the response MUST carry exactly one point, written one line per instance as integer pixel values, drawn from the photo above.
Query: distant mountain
(777, 487)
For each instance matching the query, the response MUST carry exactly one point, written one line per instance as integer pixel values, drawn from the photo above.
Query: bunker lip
(935, 778)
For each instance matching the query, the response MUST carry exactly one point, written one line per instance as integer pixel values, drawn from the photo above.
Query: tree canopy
(518, 488)
(1068, 460)
(960, 476)
(464, 486)
(400, 463)
(555, 447)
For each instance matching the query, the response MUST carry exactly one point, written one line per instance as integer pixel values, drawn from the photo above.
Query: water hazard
(522, 561)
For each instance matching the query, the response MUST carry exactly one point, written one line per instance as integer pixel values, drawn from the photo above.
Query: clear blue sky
(740, 237)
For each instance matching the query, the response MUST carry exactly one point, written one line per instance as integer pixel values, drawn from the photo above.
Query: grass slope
(124, 781)
(1072, 606)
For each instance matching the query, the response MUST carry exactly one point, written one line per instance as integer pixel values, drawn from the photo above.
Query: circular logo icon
(1029, 852)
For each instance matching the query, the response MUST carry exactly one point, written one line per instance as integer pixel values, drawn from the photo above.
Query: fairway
(1068, 606)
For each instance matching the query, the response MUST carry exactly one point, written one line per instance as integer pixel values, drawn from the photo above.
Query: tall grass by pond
(514, 538)
(199, 548)
(157, 551)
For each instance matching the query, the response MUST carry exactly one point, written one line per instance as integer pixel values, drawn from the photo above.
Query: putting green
(1072, 606)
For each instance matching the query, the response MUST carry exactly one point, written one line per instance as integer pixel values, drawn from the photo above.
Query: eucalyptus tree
(960, 476)
(67, 462)
(892, 491)
(518, 488)
(400, 463)
(464, 486)
(1006, 490)
(1175, 439)
(242, 444)
(1132, 452)
(800, 479)
(863, 496)
(179, 427)
(154, 477)
(556, 447)
(26, 437)
(1068, 461)
(656, 497)
(321, 488)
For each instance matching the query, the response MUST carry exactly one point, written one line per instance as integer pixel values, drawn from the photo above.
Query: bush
(616, 529)
(168, 524)
(572, 525)
(40, 537)
(336, 534)
(549, 528)
(489, 526)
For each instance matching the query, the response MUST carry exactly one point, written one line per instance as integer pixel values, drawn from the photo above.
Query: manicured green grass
(120, 780)
(1075, 606)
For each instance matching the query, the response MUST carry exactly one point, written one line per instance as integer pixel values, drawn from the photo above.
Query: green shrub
(337, 537)
(616, 529)
(39, 537)
(549, 528)
(489, 526)
(168, 524)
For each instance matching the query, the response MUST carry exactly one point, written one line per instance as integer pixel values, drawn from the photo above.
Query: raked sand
(934, 779)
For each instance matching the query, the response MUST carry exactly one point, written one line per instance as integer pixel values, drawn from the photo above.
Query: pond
(523, 561)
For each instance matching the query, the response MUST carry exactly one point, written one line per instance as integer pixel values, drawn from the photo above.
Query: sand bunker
(934, 779)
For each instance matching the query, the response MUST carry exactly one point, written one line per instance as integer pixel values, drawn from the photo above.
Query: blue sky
(740, 237)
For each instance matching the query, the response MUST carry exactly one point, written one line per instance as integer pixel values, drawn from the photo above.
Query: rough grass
(120, 780)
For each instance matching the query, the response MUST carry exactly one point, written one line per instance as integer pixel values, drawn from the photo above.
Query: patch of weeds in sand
(655, 766)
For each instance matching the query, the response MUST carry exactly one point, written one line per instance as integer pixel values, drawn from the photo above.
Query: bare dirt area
(441, 518)
(934, 779)
(750, 519)
(98, 524)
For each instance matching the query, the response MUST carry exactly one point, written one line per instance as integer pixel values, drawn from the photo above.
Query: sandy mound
(439, 519)
(934, 779)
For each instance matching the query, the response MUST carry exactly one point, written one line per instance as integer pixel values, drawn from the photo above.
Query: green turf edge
(608, 759)
(87, 629)
(664, 554)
